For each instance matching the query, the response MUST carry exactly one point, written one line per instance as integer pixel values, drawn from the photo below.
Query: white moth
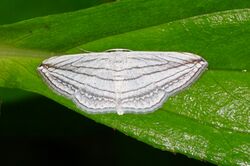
(120, 80)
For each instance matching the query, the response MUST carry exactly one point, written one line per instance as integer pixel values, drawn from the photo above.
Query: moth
(120, 80)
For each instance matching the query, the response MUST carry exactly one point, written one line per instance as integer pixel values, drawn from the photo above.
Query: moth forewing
(121, 80)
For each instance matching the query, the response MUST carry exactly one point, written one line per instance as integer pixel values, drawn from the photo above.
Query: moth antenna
(83, 50)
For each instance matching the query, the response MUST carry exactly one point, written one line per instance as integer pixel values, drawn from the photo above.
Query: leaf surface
(209, 121)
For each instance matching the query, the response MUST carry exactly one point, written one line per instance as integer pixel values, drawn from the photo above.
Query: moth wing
(123, 82)
(159, 75)
(75, 77)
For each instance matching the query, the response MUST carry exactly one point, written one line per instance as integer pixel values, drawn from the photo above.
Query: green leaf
(25, 9)
(209, 121)
(65, 31)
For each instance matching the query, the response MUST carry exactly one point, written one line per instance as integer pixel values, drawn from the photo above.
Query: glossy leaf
(209, 121)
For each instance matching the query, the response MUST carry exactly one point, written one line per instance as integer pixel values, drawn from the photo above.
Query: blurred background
(37, 131)
(16, 10)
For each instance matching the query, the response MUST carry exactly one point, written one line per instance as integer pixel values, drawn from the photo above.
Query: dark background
(37, 131)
